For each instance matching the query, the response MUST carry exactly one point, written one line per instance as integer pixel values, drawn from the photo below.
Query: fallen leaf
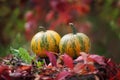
(62, 75)
(24, 68)
(52, 58)
(99, 59)
(3, 68)
(68, 61)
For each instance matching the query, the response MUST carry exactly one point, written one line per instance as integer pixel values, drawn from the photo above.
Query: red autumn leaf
(80, 58)
(54, 24)
(91, 67)
(81, 68)
(59, 5)
(62, 75)
(85, 56)
(65, 17)
(29, 16)
(4, 72)
(68, 61)
(5, 77)
(98, 59)
(116, 77)
(88, 58)
(3, 68)
(110, 63)
(112, 68)
(82, 9)
(78, 67)
(24, 68)
(50, 16)
(52, 58)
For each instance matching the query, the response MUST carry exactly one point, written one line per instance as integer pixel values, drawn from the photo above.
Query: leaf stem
(41, 28)
(73, 28)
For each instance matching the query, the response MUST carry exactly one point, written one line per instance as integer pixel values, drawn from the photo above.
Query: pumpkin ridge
(32, 45)
(69, 48)
(74, 48)
(82, 46)
(42, 42)
(46, 43)
(54, 41)
(36, 40)
(87, 45)
(63, 48)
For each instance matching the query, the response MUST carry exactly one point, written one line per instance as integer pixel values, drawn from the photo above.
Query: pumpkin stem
(41, 28)
(73, 28)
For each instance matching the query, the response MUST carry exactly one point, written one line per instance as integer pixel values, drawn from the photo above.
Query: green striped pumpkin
(45, 41)
(74, 43)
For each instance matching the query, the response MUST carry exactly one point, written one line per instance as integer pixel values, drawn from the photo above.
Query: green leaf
(39, 64)
(14, 51)
(24, 55)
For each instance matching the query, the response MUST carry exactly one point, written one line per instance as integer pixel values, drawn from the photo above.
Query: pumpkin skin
(45, 41)
(74, 43)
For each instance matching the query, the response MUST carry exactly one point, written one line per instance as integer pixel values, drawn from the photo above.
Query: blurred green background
(99, 19)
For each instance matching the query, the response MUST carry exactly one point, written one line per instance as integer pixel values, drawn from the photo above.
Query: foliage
(67, 58)
(22, 54)
(99, 19)
(85, 67)
(52, 58)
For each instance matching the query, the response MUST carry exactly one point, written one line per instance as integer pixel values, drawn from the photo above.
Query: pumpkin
(74, 43)
(45, 41)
